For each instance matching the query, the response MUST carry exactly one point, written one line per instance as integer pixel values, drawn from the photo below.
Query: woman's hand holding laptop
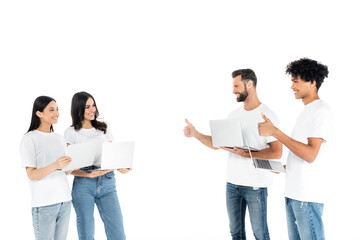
(124, 170)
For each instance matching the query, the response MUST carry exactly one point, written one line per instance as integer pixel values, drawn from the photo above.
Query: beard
(243, 96)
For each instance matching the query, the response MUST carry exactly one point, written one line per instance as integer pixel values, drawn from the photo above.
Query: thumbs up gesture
(189, 130)
(266, 128)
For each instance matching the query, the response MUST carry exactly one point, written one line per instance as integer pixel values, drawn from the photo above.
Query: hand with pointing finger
(266, 128)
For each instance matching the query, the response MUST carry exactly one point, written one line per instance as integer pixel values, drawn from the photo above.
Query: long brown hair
(78, 104)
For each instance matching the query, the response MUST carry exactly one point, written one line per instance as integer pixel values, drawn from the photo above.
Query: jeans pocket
(48, 211)
(110, 175)
(79, 181)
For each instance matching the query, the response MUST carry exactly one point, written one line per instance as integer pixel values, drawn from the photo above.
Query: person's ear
(249, 84)
(313, 84)
(39, 114)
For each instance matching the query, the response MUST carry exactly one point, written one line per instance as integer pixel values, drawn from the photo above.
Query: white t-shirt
(307, 181)
(38, 150)
(240, 170)
(89, 135)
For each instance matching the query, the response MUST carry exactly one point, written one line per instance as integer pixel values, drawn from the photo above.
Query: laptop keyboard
(263, 164)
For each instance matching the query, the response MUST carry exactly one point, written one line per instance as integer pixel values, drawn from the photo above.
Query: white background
(150, 64)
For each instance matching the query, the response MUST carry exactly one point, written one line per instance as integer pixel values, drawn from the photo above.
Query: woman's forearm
(36, 174)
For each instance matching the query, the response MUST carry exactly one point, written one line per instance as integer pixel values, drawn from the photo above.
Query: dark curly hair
(308, 70)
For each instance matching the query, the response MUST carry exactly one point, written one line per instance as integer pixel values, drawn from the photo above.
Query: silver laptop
(82, 155)
(228, 133)
(271, 165)
(117, 155)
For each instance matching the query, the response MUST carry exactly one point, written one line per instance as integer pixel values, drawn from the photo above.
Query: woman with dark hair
(92, 186)
(42, 153)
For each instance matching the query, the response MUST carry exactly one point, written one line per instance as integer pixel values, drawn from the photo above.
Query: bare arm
(272, 152)
(205, 139)
(307, 152)
(36, 174)
(190, 131)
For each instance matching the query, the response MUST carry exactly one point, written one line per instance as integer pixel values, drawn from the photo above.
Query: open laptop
(82, 155)
(228, 133)
(117, 155)
(271, 165)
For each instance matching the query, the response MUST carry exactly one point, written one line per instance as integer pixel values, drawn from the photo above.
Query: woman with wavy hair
(92, 186)
(42, 153)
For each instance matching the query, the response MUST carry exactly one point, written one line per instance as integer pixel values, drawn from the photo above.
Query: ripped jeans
(304, 220)
(237, 199)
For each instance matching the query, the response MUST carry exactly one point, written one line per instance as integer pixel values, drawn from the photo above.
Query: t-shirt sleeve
(109, 134)
(321, 125)
(69, 136)
(27, 152)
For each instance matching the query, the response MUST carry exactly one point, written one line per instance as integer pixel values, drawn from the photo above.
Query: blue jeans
(237, 199)
(304, 220)
(87, 192)
(52, 221)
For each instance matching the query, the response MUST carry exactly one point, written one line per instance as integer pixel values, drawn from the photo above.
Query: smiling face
(306, 91)
(90, 110)
(301, 88)
(50, 114)
(239, 89)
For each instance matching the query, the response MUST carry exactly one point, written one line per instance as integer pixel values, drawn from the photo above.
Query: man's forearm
(205, 139)
(304, 151)
(272, 152)
(267, 153)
